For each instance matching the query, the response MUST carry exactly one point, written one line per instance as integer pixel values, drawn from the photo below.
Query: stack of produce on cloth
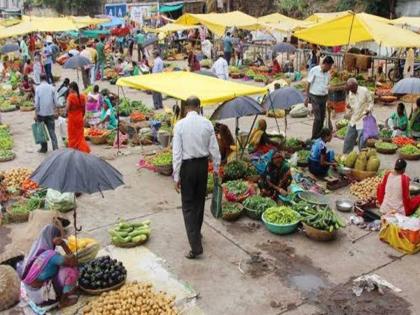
(237, 190)
(401, 141)
(366, 160)
(102, 273)
(14, 178)
(134, 299)
(85, 248)
(365, 191)
(410, 152)
(6, 145)
(127, 234)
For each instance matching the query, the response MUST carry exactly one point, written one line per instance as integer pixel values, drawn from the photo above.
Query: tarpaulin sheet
(284, 21)
(320, 16)
(218, 22)
(171, 27)
(354, 28)
(170, 8)
(181, 85)
(413, 21)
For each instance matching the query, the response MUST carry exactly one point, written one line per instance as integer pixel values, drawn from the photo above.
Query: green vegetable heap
(236, 187)
(385, 145)
(341, 133)
(230, 208)
(293, 143)
(303, 155)
(259, 204)
(126, 107)
(322, 218)
(6, 141)
(385, 134)
(236, 169)
(135, 232)
(281, 215)
(410, 150)
(162, 159)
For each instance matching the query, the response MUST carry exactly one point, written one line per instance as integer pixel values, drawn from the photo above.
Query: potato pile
(14, 178)
(133, 298)
(365, 190)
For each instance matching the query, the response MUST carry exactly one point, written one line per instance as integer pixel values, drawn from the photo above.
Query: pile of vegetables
(134, 299)
(134, 232)
(324, 219)
(28, 184)
(102, 273)
(365, 191)
(14, 178)
(6, 141)
(303, 155)
(342, 123)
(126, 107)
(6, 155)
(259, 204)
(162, 158)
(402, 141)
(237, 190)
(235, 169)
(260, 78)
(80, 243)
(250, 74)
(410, 149)
(210, 183)
(341, 133)
(94, 132)
(282, 215)
(305, 208)
(385, 134)
(363, 161)
(229, 208)
(206, 63)
(27, 105)
(293, 143)
(27, 205)
(137, 117)
(385, 145)
(6, 106)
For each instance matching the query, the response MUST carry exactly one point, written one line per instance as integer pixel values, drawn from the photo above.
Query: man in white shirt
(360, 102)
(317, 91)
(86, 77)
(157, 68)
(193, 143)
(221, 67)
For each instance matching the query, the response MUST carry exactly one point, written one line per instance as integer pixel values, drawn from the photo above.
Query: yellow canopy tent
(181, 85)
(354, 28)
(321, 17)
(84, 21)
(413, 21)
(277, 18)
(218, 22)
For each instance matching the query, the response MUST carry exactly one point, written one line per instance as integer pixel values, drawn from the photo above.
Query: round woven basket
(232, 216)
(10, 158)
(410, 157)
(318, 235)
(370, 143)
(27, 109)
(9, 287)
(361, 175)
(17, 217)
(9, 109)
(165, 170)
(252, 214)
(98, 140)
(100, 291)
(129, 245)
(386, 151)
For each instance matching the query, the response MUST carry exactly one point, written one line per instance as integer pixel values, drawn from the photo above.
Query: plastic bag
(216, 201)
(370, 127)
(62, 202)
(39, 131)
(299, 111)
(403, 240)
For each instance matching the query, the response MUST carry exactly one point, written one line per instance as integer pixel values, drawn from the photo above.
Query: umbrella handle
(77, 229)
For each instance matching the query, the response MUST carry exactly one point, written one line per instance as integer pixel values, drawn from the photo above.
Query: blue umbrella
(407, 86)
(76, 62)
(8, 48)
(283, 98)
(284, 48)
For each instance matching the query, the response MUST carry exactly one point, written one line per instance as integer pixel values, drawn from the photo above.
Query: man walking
(194, 142)
(220, 67)
(360, 102)
(100, 61)
(157, 68)
(139, 39)
(48, 57)
(228, 47)
(317, 91)
(24, 50)
(45, 108)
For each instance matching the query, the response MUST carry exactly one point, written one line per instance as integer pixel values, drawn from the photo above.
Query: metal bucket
(164, 139)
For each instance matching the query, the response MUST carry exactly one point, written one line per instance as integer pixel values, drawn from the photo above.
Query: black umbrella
(76, 62)
(150, 40)
(284, 48)
(283, 98)
(8, 48)
(69, 170)
(207, 73)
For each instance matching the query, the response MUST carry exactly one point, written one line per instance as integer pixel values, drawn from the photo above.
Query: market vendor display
(394, 192)
(398, 122)
(47, 276)
(414, 123)
(277, 177)
(320, 158)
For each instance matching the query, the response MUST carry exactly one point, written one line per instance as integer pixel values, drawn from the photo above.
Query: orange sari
(75, 122)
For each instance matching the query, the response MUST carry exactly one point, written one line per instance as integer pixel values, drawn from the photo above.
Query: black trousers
(193, 176)
(319, 106)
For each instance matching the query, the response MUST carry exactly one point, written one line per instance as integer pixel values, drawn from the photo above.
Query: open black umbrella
(69, 170)
(76, 62)
(283, 98)
(284, 48)
(8, 48)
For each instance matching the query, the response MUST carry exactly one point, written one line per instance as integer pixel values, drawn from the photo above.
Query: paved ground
(245, 269)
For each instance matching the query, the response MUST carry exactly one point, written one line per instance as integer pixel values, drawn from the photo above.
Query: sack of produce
(39, 131)
(9, 287)
(401, 233)
(62, 202)
(299, 111)
(237, 190)
(130, 234)
(216, 201)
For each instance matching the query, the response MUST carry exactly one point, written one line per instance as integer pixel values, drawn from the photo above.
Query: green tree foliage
(78, 7)
(344, 5)
(294, 8)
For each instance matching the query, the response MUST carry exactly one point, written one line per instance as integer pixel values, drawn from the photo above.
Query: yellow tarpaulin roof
(321, 16)
(83, 21)
(171, 27)
(218, 22)
(354, 28)
(277, 18)
(407, 20)
(181, 85)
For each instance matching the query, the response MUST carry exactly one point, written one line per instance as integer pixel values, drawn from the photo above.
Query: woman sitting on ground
(320, 158)
(398, 122)
(108, 119)
(47, 276)
(415, 121)
(259, 141)
(277, 178)
(27, 87)
(225, 141)
(394, 192)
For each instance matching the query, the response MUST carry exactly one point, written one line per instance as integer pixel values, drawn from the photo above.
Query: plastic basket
(318, 235)
(280, 229)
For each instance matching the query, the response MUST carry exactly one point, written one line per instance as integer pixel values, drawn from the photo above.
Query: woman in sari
(76, 103)
(225, 141)
(48, 277)
(108, 119)
(27, 88)
(93, 106)
(259, 141)
(321, 159)
(414, 124)
(398, 122)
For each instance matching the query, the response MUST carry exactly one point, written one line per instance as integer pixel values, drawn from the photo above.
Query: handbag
(39, 131)
(216, 201)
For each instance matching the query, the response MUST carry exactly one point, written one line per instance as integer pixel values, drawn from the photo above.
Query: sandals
(192, 255)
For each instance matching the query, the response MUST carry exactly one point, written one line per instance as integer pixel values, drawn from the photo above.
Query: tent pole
(118, 122)
(272, 107)
(351, 30)
(249, 134)
(237, 134)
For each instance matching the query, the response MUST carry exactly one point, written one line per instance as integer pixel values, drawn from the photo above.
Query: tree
(77, 7)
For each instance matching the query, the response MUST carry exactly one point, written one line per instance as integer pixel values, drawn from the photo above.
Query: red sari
(75, 122)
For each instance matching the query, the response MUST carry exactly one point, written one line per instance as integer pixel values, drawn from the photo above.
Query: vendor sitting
(415, 121)
(394, 192)
(48, 276)
(27, 87)
(259, 141)
(108, 119)
(225, 141)
(398, 122)
(277, 177)
(321, 159)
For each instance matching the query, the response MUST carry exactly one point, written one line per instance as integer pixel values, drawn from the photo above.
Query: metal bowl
(344, 205)
(344, 170)
(414, 189)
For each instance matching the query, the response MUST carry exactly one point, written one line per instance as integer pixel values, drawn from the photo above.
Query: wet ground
(245, 269)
